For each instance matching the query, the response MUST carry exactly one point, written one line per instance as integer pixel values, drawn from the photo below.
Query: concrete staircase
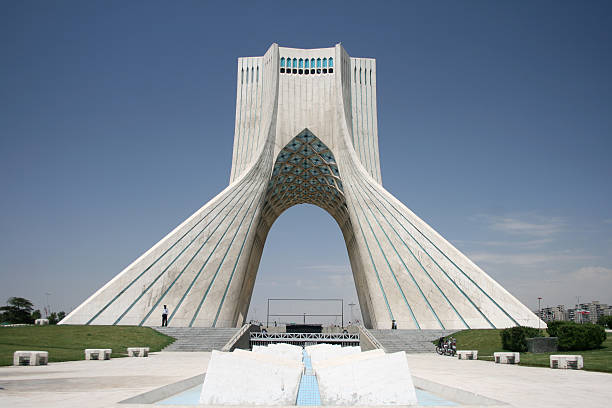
(410, 341)
(197, 338)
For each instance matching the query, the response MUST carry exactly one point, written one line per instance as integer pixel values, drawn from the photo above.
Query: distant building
(596, 310)
(582, 313)
(550, 314)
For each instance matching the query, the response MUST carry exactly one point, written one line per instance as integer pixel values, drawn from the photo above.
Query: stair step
(412, 341)
(192, 339)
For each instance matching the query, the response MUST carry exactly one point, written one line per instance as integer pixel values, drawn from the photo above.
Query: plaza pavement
(105, 383)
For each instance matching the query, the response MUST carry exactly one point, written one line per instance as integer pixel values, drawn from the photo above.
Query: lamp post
(539, 312)
(351, 306)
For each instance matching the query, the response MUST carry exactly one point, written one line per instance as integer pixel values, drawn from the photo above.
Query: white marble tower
(306, 132)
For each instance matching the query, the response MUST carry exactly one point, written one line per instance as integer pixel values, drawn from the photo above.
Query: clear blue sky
(495, 124)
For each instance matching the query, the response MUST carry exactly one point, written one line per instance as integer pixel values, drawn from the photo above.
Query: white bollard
(30, 358)
(467, 354)
(138, 351)
(98, 354)
(567, 361)
(41, 322)
(507, 358)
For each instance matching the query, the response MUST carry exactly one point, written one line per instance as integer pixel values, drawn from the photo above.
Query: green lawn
(488, 341)
(65, 343)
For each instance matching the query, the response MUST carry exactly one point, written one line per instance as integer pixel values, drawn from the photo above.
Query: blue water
(187, 397)
(308, 393)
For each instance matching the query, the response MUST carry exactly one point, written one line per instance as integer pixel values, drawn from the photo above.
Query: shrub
(586, 336)
(605, 321)
(553, 327)
(513, 338)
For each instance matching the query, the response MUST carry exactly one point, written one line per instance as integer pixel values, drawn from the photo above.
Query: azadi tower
(306, 132)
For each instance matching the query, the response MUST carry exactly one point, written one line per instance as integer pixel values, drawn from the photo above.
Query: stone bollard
(138, 351)
(41, 322)
(568, 361)
(467, 354)
(30, 358)
(507, 358)
(98, 354)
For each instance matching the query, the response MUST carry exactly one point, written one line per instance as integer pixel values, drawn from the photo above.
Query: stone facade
(305, 134)
(542, 344)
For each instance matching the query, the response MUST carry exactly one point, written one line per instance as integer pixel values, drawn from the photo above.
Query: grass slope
(66, 343)
(488, 341)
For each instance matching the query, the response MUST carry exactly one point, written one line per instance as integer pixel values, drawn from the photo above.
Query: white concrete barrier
(346, 359)
(567, 361)
(41, 322)
(507, 357)
(379, 379)
(282, 350)
(246, 378)
(138, 351)
(467, 354)
(98, 354)
(30, 358)
(321, 352)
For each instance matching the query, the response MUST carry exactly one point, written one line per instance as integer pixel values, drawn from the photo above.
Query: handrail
(228, 346)
(304, 336)
(366, 333)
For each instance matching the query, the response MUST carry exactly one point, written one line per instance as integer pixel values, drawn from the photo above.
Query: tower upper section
(297, 89)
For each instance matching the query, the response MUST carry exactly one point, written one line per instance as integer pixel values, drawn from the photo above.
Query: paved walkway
(95, 383)
(104, 383)
(518, 386)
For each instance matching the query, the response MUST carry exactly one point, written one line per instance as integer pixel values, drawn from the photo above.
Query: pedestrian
(165, 316)
(393, 325)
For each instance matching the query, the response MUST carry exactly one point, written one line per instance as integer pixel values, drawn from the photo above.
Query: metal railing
(305, 315)
(304, 339)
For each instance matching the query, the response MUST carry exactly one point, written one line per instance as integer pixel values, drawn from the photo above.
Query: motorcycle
(448, 347)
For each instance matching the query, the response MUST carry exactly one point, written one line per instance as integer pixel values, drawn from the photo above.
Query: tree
(17, 311)
(35, 315)
(55, 318)
(605, 321)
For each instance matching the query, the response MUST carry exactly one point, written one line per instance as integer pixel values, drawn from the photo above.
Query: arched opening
(304, 257)
(305, 172)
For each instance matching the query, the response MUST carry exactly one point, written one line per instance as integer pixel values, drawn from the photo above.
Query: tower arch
(305, 139)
